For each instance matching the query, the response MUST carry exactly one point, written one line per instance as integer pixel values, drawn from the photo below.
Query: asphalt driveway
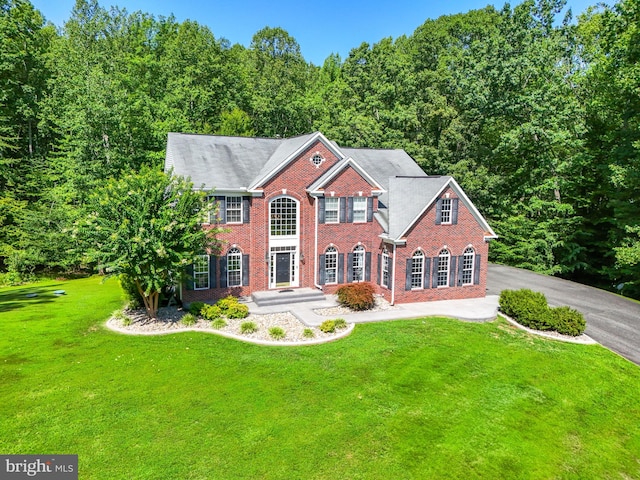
(613, 321)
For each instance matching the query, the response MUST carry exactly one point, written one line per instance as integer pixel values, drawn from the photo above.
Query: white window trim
(449, 210)
(421, 255)
(447, 272)
(359, 251)
(363, 201)
(285, 237)
(201, 272)
(469, 251)
(240, 208)
(385, 269)
(234, 252)
(333, 251)
(336, 202)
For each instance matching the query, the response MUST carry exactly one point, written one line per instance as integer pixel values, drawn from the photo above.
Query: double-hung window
(331, 265)
(417, 270)
(358, 266)
(201, 273)
(359, 209)
(446, 211)
(443, 268)
(234, 268)
(233, 209)
(467, 266)
(331, 209)
(385, 268)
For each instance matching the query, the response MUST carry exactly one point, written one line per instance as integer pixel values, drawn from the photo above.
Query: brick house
(304, 212)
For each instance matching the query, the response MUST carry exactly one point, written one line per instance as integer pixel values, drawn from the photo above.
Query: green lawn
(432, 398)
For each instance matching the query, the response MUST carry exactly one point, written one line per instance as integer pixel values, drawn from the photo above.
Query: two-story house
(304, 212)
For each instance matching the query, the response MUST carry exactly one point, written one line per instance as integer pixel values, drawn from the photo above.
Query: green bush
(340, 323)
(328, 326)
(528, 308)
(308, 333)
(188, 320)
(219, 323)
(196, 308)
(277, 333)
(568, 321)
(211, 312)
(131, 292)
(237, 311)
(248, 327)
(226, 303)
(356, 296)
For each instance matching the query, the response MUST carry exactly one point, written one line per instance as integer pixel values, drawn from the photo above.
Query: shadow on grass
(15, 299)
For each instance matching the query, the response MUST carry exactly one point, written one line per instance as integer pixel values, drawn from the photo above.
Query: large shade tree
(146, 227)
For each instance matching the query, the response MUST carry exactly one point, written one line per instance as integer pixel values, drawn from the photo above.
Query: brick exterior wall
(252, 238)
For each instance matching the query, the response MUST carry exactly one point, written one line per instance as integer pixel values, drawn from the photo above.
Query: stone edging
(580, 339)
(271, 343)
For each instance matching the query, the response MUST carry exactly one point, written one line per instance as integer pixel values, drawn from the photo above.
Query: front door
(283, 269)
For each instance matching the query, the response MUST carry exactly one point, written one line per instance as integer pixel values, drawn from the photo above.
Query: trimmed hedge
(530, 309)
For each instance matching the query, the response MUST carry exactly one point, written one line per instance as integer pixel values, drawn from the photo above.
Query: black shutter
(245, 270)
(454, 211)
(349, 209)
(349, 267)
(460, 265)
(189, 274)
(369, 209)
(452, 271)
(213, 260)
(438, 211)
(321, 274)
(427, 272)
(245, 210)
(222, 209)
(341, 268)
(379, 269)
(367, 267)
(407, 281)
(223, 272)
(343, 209)
(321, 203)
(476, 271)
(434, 272)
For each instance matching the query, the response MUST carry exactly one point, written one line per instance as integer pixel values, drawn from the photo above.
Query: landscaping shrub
(196, 308)
(277, 333)
(131, 292)
(248, 327)
(356, 296)
(527, 307)
(188, 320)
(219, 323)
(308, 333)
(328, 326)
(237, 311)
(232, 308)
(340, 323)
(211, 312)
(568, 321)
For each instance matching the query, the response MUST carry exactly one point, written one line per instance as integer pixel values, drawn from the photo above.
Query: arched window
(468, 262)
(385, 268)
(358, 264)
(234, 268)
(417, 270)
(331, 265)
(283, 217)
(443, 268)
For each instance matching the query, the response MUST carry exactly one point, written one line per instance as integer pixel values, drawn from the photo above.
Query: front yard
(430, 398)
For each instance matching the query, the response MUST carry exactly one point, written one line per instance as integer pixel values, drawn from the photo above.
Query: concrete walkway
(473, 310)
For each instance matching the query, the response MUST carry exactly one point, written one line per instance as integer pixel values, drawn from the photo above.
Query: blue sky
(321, 28)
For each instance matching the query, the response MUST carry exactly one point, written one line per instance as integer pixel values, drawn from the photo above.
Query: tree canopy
(535, 113)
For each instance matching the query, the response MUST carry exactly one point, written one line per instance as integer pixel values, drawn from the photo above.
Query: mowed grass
(430, 398)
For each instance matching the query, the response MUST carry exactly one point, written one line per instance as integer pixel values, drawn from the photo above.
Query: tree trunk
(150, 302)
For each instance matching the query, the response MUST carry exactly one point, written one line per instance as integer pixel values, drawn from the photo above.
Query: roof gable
(316, 187)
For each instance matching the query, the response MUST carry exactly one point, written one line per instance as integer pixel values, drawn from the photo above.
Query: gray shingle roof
(408, 198)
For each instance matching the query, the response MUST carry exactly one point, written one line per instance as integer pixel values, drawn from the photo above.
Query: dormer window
(317, 159)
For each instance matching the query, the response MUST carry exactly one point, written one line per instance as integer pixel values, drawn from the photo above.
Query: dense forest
(537, 115)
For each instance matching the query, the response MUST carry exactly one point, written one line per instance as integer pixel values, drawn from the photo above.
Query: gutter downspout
(393, 277)
(315, 248)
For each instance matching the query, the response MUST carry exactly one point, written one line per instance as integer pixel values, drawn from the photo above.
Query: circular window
(317, 159)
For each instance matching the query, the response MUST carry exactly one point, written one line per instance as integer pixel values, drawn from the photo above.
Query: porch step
(287, 295)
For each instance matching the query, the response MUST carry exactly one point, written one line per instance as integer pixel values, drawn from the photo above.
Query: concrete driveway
(613, 321)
